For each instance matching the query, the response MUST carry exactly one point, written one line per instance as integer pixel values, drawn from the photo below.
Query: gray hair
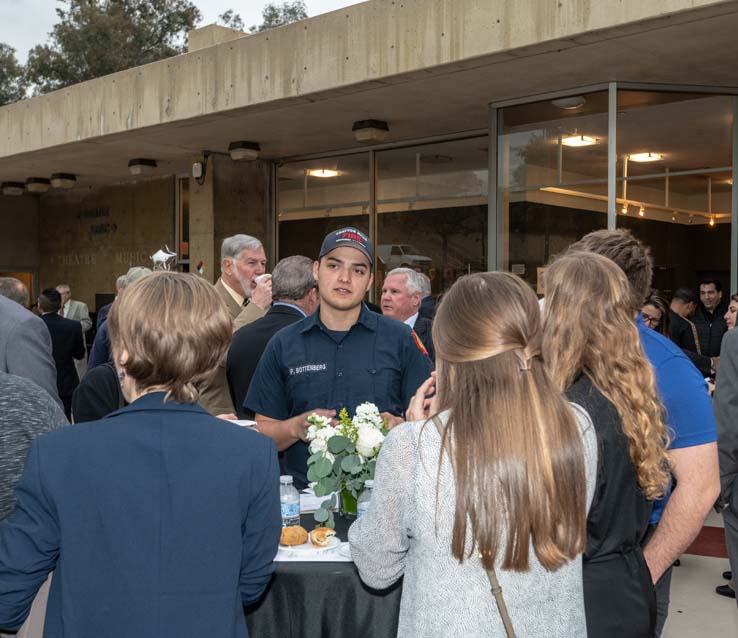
(63, 287)
(121, 282)
(425, 288)
(414, 282)
(292, 278)
(15, 290)
(232, 246)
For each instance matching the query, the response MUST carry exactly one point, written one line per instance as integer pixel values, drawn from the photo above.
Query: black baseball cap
(351, 237)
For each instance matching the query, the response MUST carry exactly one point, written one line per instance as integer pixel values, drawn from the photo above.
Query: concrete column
(202, 225)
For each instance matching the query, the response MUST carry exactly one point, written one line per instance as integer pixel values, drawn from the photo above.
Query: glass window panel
(432, 210)
(552, 179)
(685, 186)
(317, 196)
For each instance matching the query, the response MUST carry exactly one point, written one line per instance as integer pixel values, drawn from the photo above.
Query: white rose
(369, 441)
(318, 445)
(366, 411)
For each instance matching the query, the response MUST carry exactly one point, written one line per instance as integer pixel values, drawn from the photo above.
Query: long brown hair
(589, 328)
(514, 443)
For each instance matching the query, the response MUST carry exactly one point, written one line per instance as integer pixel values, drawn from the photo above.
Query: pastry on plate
(294, 535)
(321, 536)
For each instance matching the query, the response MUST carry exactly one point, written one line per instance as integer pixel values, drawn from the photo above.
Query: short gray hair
(414, 283)
(425, 289)
(121, 282)
(292, 278)
(64, 287)
(15, 290)
(232, 246)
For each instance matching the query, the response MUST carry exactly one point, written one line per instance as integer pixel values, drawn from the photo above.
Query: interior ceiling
(441, 101)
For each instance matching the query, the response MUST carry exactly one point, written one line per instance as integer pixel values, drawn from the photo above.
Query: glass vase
(348, 504)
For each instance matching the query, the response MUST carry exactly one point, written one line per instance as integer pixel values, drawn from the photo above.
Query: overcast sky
(26, 23)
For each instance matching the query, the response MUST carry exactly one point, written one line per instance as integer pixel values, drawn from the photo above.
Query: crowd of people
(561, 452)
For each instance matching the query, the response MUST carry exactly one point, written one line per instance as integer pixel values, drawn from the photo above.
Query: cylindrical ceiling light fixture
(37, 184)
(141, 166)
(63, 180)
(13, 189)
(244, 151)
(370, 131)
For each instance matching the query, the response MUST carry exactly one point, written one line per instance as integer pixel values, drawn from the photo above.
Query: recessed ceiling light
(322, 172)
(712, 221)
(645, 157)
(141, 166)
(13, 189)
(641, 211)
(570, 103)
(578, 140)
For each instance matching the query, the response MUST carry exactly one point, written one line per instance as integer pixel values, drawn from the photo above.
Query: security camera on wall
(198, 170)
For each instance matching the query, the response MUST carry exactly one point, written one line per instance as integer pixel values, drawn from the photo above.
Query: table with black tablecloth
(323, 600)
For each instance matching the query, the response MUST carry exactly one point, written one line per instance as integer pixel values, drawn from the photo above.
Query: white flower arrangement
(343, 456)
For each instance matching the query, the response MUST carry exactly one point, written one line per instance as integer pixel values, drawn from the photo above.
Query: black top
(710, 327)
(247, 346)
(67, 345)
(427, 308)
(682, 332)
(618, 516)
(97, 395)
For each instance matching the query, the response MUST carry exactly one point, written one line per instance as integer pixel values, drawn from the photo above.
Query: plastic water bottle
(289, 501)
(362, 505)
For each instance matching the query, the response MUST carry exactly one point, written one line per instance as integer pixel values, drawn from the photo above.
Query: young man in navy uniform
(340, 356)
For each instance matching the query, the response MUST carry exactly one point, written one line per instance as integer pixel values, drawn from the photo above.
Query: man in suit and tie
(295, 295)
(66, 345)
(25, 343)
(76, 310)
(427, 301)
(401, 292)
(242, 261)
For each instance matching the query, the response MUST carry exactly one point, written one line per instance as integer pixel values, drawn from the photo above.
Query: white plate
(244, 423)
(345, 551)
(309, 547)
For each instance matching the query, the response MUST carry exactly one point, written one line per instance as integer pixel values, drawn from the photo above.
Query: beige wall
(89, 237)
(19, 237)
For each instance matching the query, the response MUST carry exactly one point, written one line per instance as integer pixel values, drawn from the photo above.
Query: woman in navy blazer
(159, 520)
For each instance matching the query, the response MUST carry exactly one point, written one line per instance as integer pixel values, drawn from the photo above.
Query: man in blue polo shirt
(678, 517)
(340, 356)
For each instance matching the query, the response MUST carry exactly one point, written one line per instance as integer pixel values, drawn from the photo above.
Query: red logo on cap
(352, 236)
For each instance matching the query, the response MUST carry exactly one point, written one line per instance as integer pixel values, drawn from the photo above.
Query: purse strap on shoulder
(491, 575)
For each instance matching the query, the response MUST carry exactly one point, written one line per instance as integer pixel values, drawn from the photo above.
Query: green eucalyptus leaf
(312, 474)
(349, 463)
(321, 515)
(338, 444)
(323, 467)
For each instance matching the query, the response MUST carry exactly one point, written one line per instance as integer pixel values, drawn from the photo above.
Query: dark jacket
(102, 315)
(710, 327)
(160, 520)
(682, 333)
(247, 346)
(97, 395)
(423, 328)
(67, 344)
(427, 308)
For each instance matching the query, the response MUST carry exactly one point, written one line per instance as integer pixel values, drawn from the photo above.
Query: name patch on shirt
(310, 367)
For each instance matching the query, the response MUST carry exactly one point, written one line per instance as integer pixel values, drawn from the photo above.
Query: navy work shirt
(306, 366)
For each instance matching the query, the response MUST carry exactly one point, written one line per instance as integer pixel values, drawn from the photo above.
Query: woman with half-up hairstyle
(593, 352)
(490, 482)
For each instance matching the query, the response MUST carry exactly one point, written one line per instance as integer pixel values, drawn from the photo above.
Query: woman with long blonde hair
(593, 352)
(491, 483)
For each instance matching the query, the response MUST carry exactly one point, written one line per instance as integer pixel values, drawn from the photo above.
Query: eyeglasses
(651, 322)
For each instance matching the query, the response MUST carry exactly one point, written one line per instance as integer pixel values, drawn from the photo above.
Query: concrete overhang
(426, 66)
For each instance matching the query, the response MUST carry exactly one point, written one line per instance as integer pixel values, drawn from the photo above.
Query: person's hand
(228, 417)
(714, 363)
(391, 420)
(261, 294)
(299, 424)
(422, 405)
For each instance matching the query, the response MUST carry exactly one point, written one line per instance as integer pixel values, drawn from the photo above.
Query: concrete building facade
(514, 128)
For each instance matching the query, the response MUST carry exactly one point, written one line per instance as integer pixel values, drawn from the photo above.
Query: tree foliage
(12, 81)
(231, 19)
(98, 37)
(275, 14)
